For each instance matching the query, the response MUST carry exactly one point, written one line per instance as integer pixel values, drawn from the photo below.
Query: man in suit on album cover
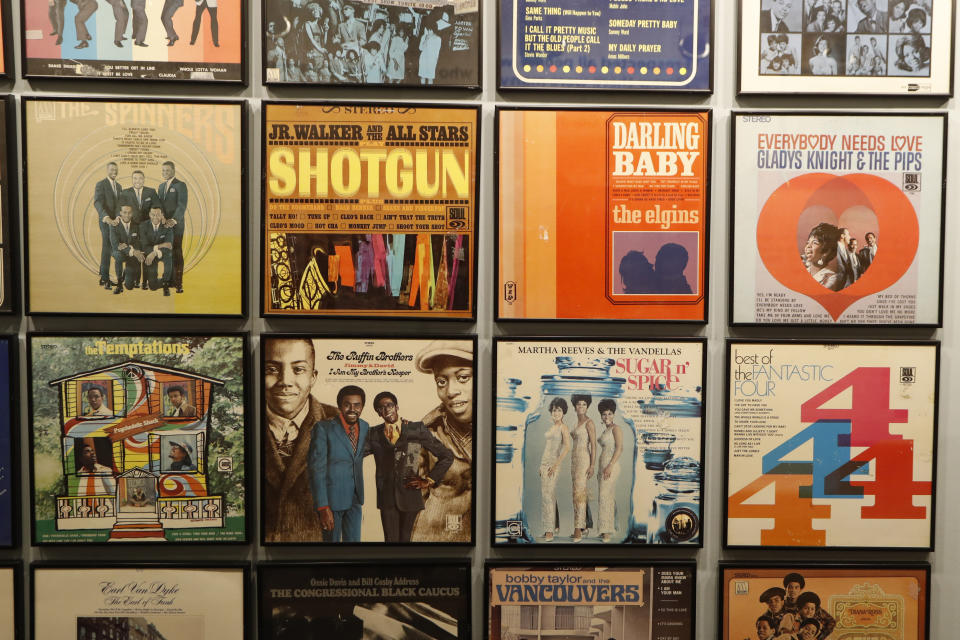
(156, 242)
(774, 19)
(173, 198)
(125, 249)
(106, 200)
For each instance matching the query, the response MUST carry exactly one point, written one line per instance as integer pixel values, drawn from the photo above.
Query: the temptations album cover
(602, 214)
(636, 601)
(838, 218)
(369, 210)
(598, 442)
(386, 43)
(831, 444)
(153, 602)
(368, 440)
(200, 40)
(138, 438)
(635, 46)
(375, 601)
(877, 47)
(134, 207)
(820, 601)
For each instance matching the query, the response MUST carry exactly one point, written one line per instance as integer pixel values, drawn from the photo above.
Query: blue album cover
(610, 45)
(6, 448)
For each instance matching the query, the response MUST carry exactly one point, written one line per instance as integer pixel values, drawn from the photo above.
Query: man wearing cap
(87, 459)
(773, 598)
(336, 467)
(181, 455)
(180, 408)
(447, 508)
(809, 609)
(793, 584)
(289, 373)
(396, 445)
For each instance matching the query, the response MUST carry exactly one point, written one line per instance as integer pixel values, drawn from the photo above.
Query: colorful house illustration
(134, 443)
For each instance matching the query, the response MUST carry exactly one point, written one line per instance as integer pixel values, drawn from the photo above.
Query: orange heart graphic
(898, 233)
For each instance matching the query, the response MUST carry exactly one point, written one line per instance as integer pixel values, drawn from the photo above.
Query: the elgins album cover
(138, 438)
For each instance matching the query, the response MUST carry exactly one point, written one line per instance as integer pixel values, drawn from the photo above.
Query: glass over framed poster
(606, 46)
(369, 211)
(138, 438)
(602, 215)
(599, 441)
(838, 219)
(858, 47)
(368, 439)
(426, 601)
(9, 289)
(134, 207)
(154, 601)
(654, 600)
(9, 444)
(388, 44)
(820, 600)
(202, 41)
(831, 444)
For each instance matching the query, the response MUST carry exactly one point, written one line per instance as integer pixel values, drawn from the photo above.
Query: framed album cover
(138, 438)
(9, 445)
(163, 40)
(9, 289)
(369, 211)
(831, 444)
(820, 600)
(427, 601)
(134, 207)
(838, 219)
(11, 601)
(368, 439)
(598, 441)
(655, 600)
(857, 47)
(606, 46)
(110, 600)
(388, 44)
(602, 215)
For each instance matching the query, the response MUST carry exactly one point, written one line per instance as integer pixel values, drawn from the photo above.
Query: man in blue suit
(156, 243)
(173, 198)
(125, 243)
(336, 467)
(106, 200)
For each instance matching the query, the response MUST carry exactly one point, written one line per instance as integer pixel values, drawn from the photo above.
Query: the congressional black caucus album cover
(152, 601)
(654, 601)
(831, 444)
(839, 219)
(376, 601)
(598, 442)
(368, 440)
(603, 45)
(192, 40)
(817, 601)
(386, 43)
(873, 47)
(138, 438)
(369, 210)
(8, 200)
(134, 207)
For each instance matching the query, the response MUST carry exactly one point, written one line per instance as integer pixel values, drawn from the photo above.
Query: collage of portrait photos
(476, 319)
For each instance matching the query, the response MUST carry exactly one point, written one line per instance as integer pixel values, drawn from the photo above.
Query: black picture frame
(13, 400)
(18, 596)
(497, 453)
(368, 495)
(704, 234)
(6, 43)
(355, 314)
(246, 615)
(912, 89)
(244, 201)
(382, 86)
(247, 444)
(728, 408)
(868, 568)
(240, 82)
(581, 86)
(586, 564)
(264, 568)
(10, 205)
(903, 118)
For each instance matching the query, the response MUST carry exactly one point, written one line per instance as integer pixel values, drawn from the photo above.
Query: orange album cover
(603, 215)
